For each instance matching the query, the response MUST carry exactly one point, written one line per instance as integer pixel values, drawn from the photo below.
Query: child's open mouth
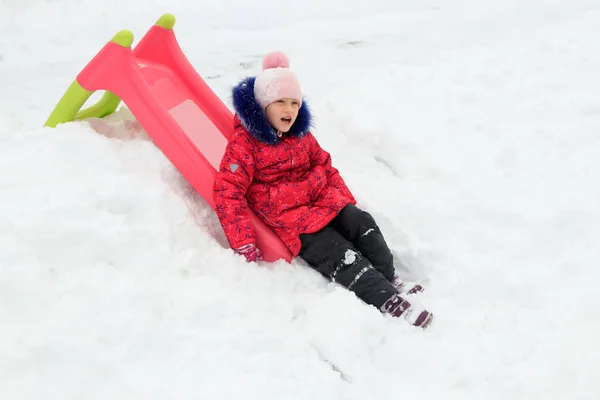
(287, 120)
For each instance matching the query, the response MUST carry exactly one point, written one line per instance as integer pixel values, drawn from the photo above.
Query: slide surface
(182, 115)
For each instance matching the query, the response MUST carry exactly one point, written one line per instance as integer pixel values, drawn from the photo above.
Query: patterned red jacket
(288, 182)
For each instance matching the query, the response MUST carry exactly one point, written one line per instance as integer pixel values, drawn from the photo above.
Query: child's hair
(276, 81)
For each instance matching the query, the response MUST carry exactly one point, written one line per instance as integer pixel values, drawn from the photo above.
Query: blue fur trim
(254, 119)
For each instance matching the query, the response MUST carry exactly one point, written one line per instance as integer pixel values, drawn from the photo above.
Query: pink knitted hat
(276, 81)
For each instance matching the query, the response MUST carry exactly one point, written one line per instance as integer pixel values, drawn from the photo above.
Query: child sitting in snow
(275, 166)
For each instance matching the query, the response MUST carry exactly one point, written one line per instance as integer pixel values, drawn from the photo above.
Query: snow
(349, 257)
(469, 129)
(367, 232)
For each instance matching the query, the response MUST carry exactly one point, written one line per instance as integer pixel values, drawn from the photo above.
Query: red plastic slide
(180, 112)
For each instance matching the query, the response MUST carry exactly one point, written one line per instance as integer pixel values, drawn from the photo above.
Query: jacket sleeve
(318, 156)
(229, 191)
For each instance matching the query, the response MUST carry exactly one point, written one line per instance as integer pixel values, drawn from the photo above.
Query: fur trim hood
(254, 119)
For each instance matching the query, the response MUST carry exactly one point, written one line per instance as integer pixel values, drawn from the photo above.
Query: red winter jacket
(288, 182)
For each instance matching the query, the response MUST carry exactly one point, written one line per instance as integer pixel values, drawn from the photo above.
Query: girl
(275, 166)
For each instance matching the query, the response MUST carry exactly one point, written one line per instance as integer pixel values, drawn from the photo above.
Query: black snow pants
(351, 251)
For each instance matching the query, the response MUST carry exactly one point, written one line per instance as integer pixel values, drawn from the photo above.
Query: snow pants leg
(336, 258)
(360, 228)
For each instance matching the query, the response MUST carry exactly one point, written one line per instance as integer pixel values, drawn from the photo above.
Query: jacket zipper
(273, 223)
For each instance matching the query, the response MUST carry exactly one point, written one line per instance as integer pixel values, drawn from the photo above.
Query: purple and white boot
(406, 288)
(396, 306)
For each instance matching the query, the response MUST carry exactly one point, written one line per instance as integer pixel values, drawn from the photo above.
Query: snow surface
(470, 129)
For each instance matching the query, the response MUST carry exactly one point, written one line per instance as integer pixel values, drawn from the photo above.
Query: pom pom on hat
(276, 81)
(275, 59)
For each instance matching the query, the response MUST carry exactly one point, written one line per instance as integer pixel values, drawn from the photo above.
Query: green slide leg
(68, 107)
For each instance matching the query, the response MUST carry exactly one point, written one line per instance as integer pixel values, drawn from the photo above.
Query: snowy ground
(470, 129)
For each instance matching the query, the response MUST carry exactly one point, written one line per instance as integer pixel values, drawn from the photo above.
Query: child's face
(282, 113)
